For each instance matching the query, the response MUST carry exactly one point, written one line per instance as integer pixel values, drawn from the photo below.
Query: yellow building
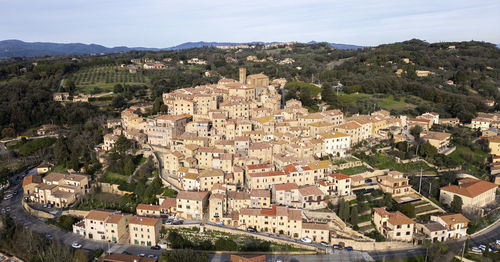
(475, 193)
(103, 225)
(264, 180)
(192, 205)
(494, 145)
(394, 183)
(307, 174)
(394, 226)
(146, 210)
(355, 130)
(439, 140)
(144, 231)
(59, 189)
(209, 177)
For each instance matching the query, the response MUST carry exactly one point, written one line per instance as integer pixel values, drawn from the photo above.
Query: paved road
(22, 217)
(29, 138)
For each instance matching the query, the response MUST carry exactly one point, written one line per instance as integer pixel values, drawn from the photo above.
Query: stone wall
(112, 188)
(37, 213)
(347, 165)
(75, 213)
(370, 245)
(245, 233)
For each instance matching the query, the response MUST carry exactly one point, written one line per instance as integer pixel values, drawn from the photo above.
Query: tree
(164, 109)
(327, 95)
(118, 88)
(4, 176)
(74, 162)
(428, 151)
(354, 216)
(157, 105)
(388, 201)
(129, 167)
(8, 132)
(118, 102)
(122, 144)
(346, 211)
(415, 131)
(330, 206)
(456, 204)
(184, 255)
(61, 152)
(225, 244)
(341, 209)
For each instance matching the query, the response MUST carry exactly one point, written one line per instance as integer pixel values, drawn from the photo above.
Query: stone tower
(243, 75)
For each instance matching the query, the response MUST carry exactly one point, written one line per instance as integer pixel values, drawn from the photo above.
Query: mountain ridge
(18, 48)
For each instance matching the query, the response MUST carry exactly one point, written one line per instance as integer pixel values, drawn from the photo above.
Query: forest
(473, 67)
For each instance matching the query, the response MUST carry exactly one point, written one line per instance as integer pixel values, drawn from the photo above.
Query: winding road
(20, 216)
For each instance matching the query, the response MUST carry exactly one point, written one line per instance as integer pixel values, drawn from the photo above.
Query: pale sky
(164, 23)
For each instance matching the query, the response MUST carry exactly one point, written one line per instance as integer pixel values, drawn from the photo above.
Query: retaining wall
(75, 213)
(244, 233)
(37, 213)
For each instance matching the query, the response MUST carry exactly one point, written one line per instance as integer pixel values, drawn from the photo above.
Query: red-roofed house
(393, 225)
(475, 193)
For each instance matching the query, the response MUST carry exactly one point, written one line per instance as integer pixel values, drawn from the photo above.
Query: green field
(387, 103)
(382, 161)
(354, 170)
(114, 177)
(106, 77)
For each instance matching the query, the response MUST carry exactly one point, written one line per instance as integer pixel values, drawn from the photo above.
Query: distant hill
(13, 48)
(346, 46)
(10, 48)
(339, 46)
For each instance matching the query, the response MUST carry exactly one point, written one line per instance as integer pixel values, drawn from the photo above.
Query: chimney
(243, 75)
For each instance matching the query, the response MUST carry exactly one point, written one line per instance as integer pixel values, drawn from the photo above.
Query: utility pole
(420, 183)
(463, 251)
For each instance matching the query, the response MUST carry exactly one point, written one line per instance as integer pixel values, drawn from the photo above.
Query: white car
(76, 245)
(482, 247)
(476, 250)
(306, 240)
(498, 242)
(7, 197)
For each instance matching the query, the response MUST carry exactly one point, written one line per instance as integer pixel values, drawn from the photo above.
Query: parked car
(306, 240)
(339, 247)
(220, 223)
(49, 236)
(153, 256)
(349, 248)
(156, 247)
(7, 197)
(482, 247)
(325, 244)
(169, 222)
(476, 249)
(178, 222)
(142, 255)
(76, 245)
(498, 241)
(251, 230)
(493, 248)
(7, 209)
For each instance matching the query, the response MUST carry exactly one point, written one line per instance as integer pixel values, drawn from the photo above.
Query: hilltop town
(256, 164)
